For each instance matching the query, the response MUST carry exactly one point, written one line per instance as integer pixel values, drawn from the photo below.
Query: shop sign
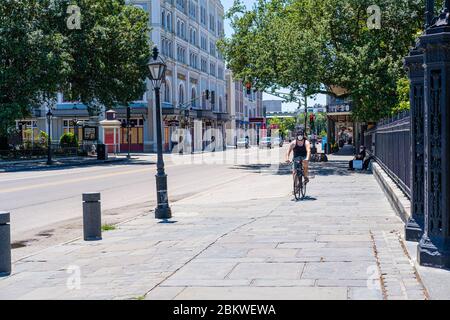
(90, 133)
(173, 123)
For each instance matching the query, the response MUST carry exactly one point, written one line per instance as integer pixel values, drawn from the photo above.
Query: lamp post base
(163, 213)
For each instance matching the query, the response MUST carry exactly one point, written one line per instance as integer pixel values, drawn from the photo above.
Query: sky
(321, 99)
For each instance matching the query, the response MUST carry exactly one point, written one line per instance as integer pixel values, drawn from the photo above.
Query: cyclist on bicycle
(302, 151)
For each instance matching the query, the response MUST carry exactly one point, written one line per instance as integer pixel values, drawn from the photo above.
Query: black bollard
(5, 244)
(92, 216)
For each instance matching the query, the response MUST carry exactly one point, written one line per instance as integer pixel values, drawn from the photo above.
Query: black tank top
(300, 151)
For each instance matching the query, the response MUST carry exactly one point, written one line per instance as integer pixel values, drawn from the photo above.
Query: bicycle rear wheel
(298, 187)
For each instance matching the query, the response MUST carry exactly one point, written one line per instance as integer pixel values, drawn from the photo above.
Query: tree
(403, 103)
(110, 53)
(309, 46)
(33, 60)
(284, 124)
(102, 64)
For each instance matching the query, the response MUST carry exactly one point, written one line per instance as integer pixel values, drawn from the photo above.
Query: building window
(220, 104)
(203, 15)
(163, 19)
(204, 42)
(167, 92)
(181, 94)
(212, 24)
(193, 36)
(194, 97)
(212, 48)
(193, 60)
(193, 10)
(204, 65)
(212, 69)
(181, 5)
(169, 22)
(181, 29)
(181, 54)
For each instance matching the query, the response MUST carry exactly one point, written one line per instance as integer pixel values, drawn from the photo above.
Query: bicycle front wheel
(298, 187)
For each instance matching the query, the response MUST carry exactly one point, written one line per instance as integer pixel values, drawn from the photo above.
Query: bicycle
(299, 181)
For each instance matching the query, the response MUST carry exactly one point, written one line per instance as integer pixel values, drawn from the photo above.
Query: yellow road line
(66, 181)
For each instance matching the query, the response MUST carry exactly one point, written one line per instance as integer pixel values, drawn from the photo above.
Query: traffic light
(312, 118)
(128, 113)
(248, 86)
(207, 94)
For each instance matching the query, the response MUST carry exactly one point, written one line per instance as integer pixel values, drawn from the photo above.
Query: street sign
(90, 133)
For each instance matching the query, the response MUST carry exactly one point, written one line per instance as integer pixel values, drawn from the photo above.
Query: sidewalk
(342, 242)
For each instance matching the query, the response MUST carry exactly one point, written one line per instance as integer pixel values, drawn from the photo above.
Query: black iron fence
(389, 142)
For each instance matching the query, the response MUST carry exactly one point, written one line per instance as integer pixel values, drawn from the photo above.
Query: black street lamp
(157, 69)
(49, 141)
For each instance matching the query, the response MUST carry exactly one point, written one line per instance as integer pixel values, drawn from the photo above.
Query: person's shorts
(296, 163)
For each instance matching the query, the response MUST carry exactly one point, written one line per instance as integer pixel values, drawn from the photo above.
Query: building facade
(245, 110)
(193, 95)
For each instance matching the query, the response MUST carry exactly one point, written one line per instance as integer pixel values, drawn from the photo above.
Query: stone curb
(398, 200)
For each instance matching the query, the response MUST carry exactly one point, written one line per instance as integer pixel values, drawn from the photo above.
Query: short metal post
(5, 244)
(92, 216)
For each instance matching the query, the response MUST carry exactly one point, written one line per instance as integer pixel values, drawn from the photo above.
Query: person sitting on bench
(360, 156)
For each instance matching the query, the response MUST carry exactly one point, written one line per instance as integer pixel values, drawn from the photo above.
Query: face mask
(300, 138)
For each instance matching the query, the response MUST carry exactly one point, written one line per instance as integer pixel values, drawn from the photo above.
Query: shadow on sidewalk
(330, 168)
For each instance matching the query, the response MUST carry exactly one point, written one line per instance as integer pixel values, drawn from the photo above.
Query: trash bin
(102, 152)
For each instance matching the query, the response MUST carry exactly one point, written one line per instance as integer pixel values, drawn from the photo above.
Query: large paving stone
(267, 271)
(261, 293)
(337, 270)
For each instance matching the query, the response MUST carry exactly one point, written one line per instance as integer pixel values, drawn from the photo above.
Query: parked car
(242, 143)
(266, 142)
(276, 141)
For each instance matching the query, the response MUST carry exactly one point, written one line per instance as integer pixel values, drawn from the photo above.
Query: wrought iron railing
(389, 142)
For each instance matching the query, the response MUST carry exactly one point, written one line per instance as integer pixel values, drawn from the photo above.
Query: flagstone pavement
(343, 241)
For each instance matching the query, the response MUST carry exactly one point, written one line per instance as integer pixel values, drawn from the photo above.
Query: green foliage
(403, 96)
(309, 46)
(110, 53)
(68, 140)
(33, 58)
(104, 63)
(108, 227)
(285, 125)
